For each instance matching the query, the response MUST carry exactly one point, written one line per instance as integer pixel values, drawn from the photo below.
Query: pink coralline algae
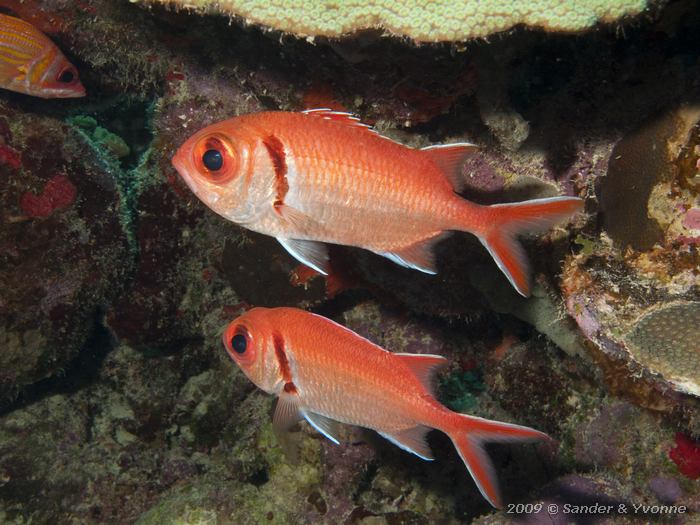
(692, 219)
(686, 455)
(59, 192)
(9, 157)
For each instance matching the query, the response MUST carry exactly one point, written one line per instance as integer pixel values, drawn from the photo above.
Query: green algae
(279, 500)
(113, 143)
(460, 390)
(109, 142)
(588, 246)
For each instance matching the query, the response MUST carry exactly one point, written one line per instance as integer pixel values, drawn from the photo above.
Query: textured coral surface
(118, 404)
(427, 21)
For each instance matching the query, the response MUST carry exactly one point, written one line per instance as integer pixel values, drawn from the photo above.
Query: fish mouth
(72, 92)
(178, 162)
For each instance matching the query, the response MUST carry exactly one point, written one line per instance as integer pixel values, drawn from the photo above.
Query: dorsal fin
(424, 367)
(450, 158)
(339, 116)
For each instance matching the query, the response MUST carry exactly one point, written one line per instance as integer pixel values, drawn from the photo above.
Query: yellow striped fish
(30, 63)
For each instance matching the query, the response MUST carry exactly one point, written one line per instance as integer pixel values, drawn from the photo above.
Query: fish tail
(499, 225)
(468, 436)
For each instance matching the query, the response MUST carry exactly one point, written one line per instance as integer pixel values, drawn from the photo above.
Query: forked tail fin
(500, 224)
(468, 437)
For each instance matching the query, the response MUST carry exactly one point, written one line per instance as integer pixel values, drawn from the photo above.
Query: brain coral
(667, 340)
(422, 20)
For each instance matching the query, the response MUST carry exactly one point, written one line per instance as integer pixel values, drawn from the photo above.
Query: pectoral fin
(324, 425)
(286, 412)
(311, 253)
(412, 440)
(286, 415)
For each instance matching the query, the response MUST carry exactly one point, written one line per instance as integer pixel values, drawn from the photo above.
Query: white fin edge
(401, 262)
(391, 438)
(520, 254)
(321, 424)
(317, 251)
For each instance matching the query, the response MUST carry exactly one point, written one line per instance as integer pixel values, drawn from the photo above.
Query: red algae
(686, 455)
(321, 95)
(58, 193)
(10, 157)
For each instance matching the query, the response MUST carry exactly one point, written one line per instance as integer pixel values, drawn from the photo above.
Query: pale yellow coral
(438, 20)
(667, 341)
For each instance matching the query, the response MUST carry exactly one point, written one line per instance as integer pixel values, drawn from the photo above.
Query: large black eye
(66, 76)
(213, 159)
(239, 343)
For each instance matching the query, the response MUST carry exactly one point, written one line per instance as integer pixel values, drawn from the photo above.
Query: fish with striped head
(30, 63)
(321, 176)
(324, 373)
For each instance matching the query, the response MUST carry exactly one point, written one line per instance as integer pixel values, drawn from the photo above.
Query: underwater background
(118, 403)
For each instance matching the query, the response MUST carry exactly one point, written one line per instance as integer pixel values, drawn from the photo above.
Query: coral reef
(640, 302)
(117, 403)
(423, 21)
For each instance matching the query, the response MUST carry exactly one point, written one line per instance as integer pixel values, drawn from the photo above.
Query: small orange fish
(325, 373)
(322, 176)
(30, 63)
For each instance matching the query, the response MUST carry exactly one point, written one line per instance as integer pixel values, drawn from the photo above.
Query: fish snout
(74, 92)
(179, 162)
(78, 91)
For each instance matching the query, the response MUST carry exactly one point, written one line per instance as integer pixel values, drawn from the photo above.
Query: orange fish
(30, 63)
(325, 373)
(322, 176)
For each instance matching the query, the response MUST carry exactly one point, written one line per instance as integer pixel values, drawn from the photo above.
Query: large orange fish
(30, 63)
(322, 176)
(325, 373)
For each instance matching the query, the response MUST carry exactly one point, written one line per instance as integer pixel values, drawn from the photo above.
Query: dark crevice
(77, 375)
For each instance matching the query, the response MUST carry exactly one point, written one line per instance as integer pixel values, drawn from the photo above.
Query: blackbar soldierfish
(325, 373)
(322, 176)
(30, 63)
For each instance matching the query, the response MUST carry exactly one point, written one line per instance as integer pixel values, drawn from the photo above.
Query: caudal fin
(501, 223)
(469, 437)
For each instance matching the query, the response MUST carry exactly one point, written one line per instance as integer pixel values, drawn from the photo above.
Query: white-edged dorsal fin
(323, 424)
(313, 254)
(450, 159)
(339, 116)
(412, 440)
(424, 367)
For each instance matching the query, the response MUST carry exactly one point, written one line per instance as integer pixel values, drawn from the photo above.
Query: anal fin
(326, 426)
(313, 254)
(412, 440)
(419, 255)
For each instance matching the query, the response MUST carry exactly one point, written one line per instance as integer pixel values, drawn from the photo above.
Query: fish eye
(239, 343)
(66, 76)
(213, 160)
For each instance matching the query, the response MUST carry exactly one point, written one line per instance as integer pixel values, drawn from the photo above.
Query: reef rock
(61, 233)
(634, 291)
